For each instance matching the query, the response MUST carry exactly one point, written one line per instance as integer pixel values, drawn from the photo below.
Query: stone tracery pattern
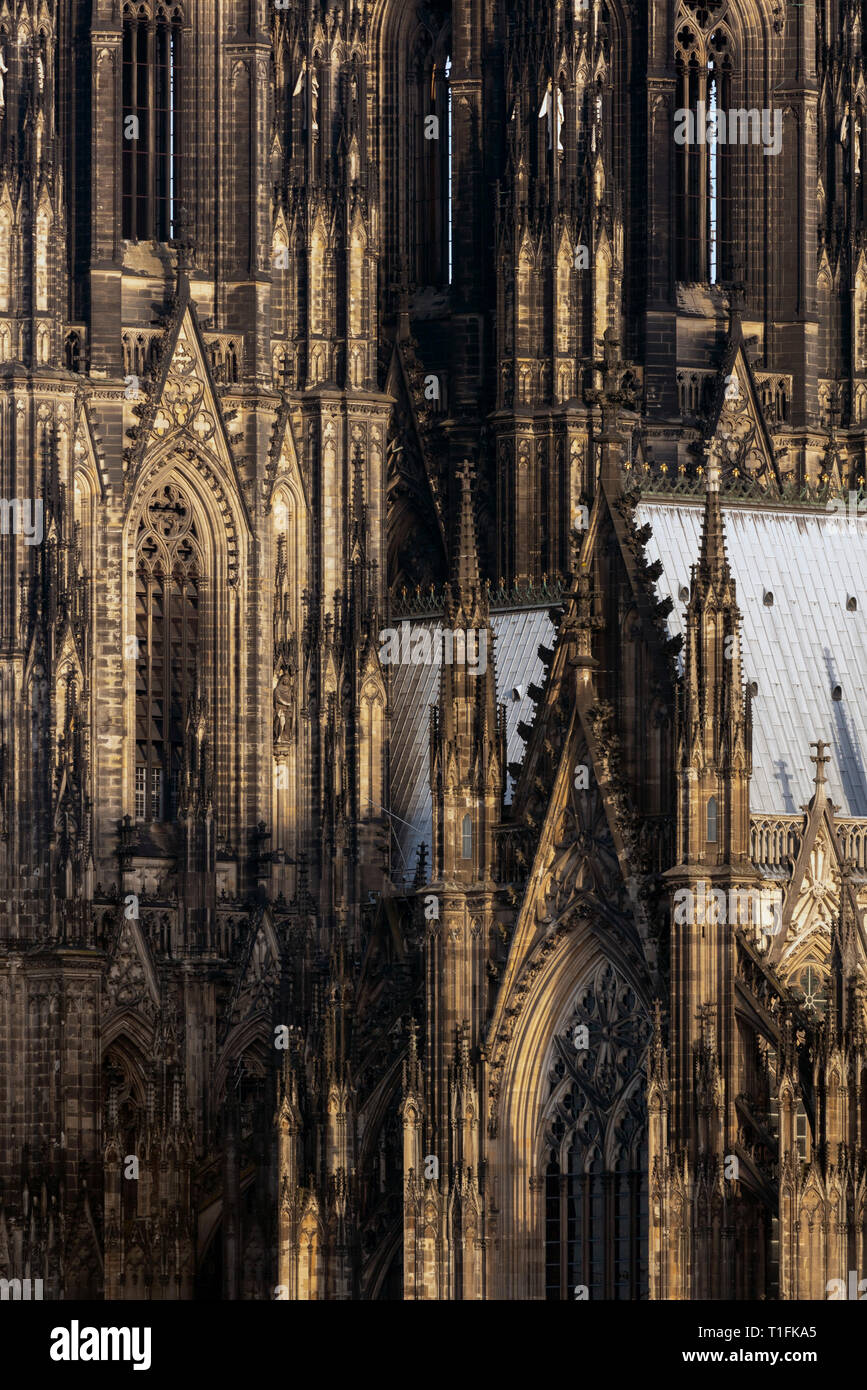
(265, 414)
(595, 1143)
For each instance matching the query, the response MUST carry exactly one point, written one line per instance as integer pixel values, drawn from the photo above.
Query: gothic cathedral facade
(433, 749)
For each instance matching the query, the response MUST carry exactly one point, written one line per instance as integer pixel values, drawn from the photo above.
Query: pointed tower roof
(465, 563)
(819, 781)
(713, 564)
(737, 425)
(466, 602)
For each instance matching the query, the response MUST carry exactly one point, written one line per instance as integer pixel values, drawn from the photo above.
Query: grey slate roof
(517, 636)
(798, 649)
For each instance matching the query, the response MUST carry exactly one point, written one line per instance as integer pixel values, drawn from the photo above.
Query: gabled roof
(185, 402)
(798, 648)
(742, 441)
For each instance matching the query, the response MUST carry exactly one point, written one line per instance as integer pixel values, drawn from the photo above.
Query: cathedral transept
(433, 649)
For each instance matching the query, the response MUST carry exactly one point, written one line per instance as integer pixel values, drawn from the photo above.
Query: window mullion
(703, 163)
(134, 155)
(152, 140)
(685, 156)
(175, 126)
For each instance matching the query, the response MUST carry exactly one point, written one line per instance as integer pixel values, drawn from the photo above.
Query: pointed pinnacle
(819, 759)
(713, 562)
(466, 561)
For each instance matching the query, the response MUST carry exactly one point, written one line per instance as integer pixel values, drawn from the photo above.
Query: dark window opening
(168, 583)
(813, 983)
(594, 1229)
(703, 164)
(72, 353)
(151, 124)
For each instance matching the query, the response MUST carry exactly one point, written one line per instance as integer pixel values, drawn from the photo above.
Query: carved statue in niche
(284, 705)
(314, 100)
(196, 782)
(284, 685)
(3, 69)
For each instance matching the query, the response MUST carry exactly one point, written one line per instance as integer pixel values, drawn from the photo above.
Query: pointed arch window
(596, 1148)
(43, 225)
(168, 600)
(72, 352)
(5, 260)
(419, 123)
(151, 120)
(84, 504)
(712, 821)
(813, 983)
(467, 837)
(432, 212)
(861, 320)
(122, 1098)
(603, 297)
(449, 184)
(703, 176)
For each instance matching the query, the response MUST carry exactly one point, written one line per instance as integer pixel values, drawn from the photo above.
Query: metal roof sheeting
(797, 649)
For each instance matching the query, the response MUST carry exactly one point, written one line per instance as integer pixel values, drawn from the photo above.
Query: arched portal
(595, 1141)
(169, 688)
(571, 1140)
(184, 551)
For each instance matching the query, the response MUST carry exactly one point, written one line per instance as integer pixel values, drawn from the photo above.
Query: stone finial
(819, 758)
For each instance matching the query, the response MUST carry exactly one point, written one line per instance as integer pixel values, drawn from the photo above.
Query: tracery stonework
(595, 1136)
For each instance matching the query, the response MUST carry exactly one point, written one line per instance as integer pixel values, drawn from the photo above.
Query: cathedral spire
(819, 781)
(713, 724)
(713, 565)
(465, 565)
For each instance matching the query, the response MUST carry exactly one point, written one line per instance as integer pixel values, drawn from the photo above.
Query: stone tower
(327, 326)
